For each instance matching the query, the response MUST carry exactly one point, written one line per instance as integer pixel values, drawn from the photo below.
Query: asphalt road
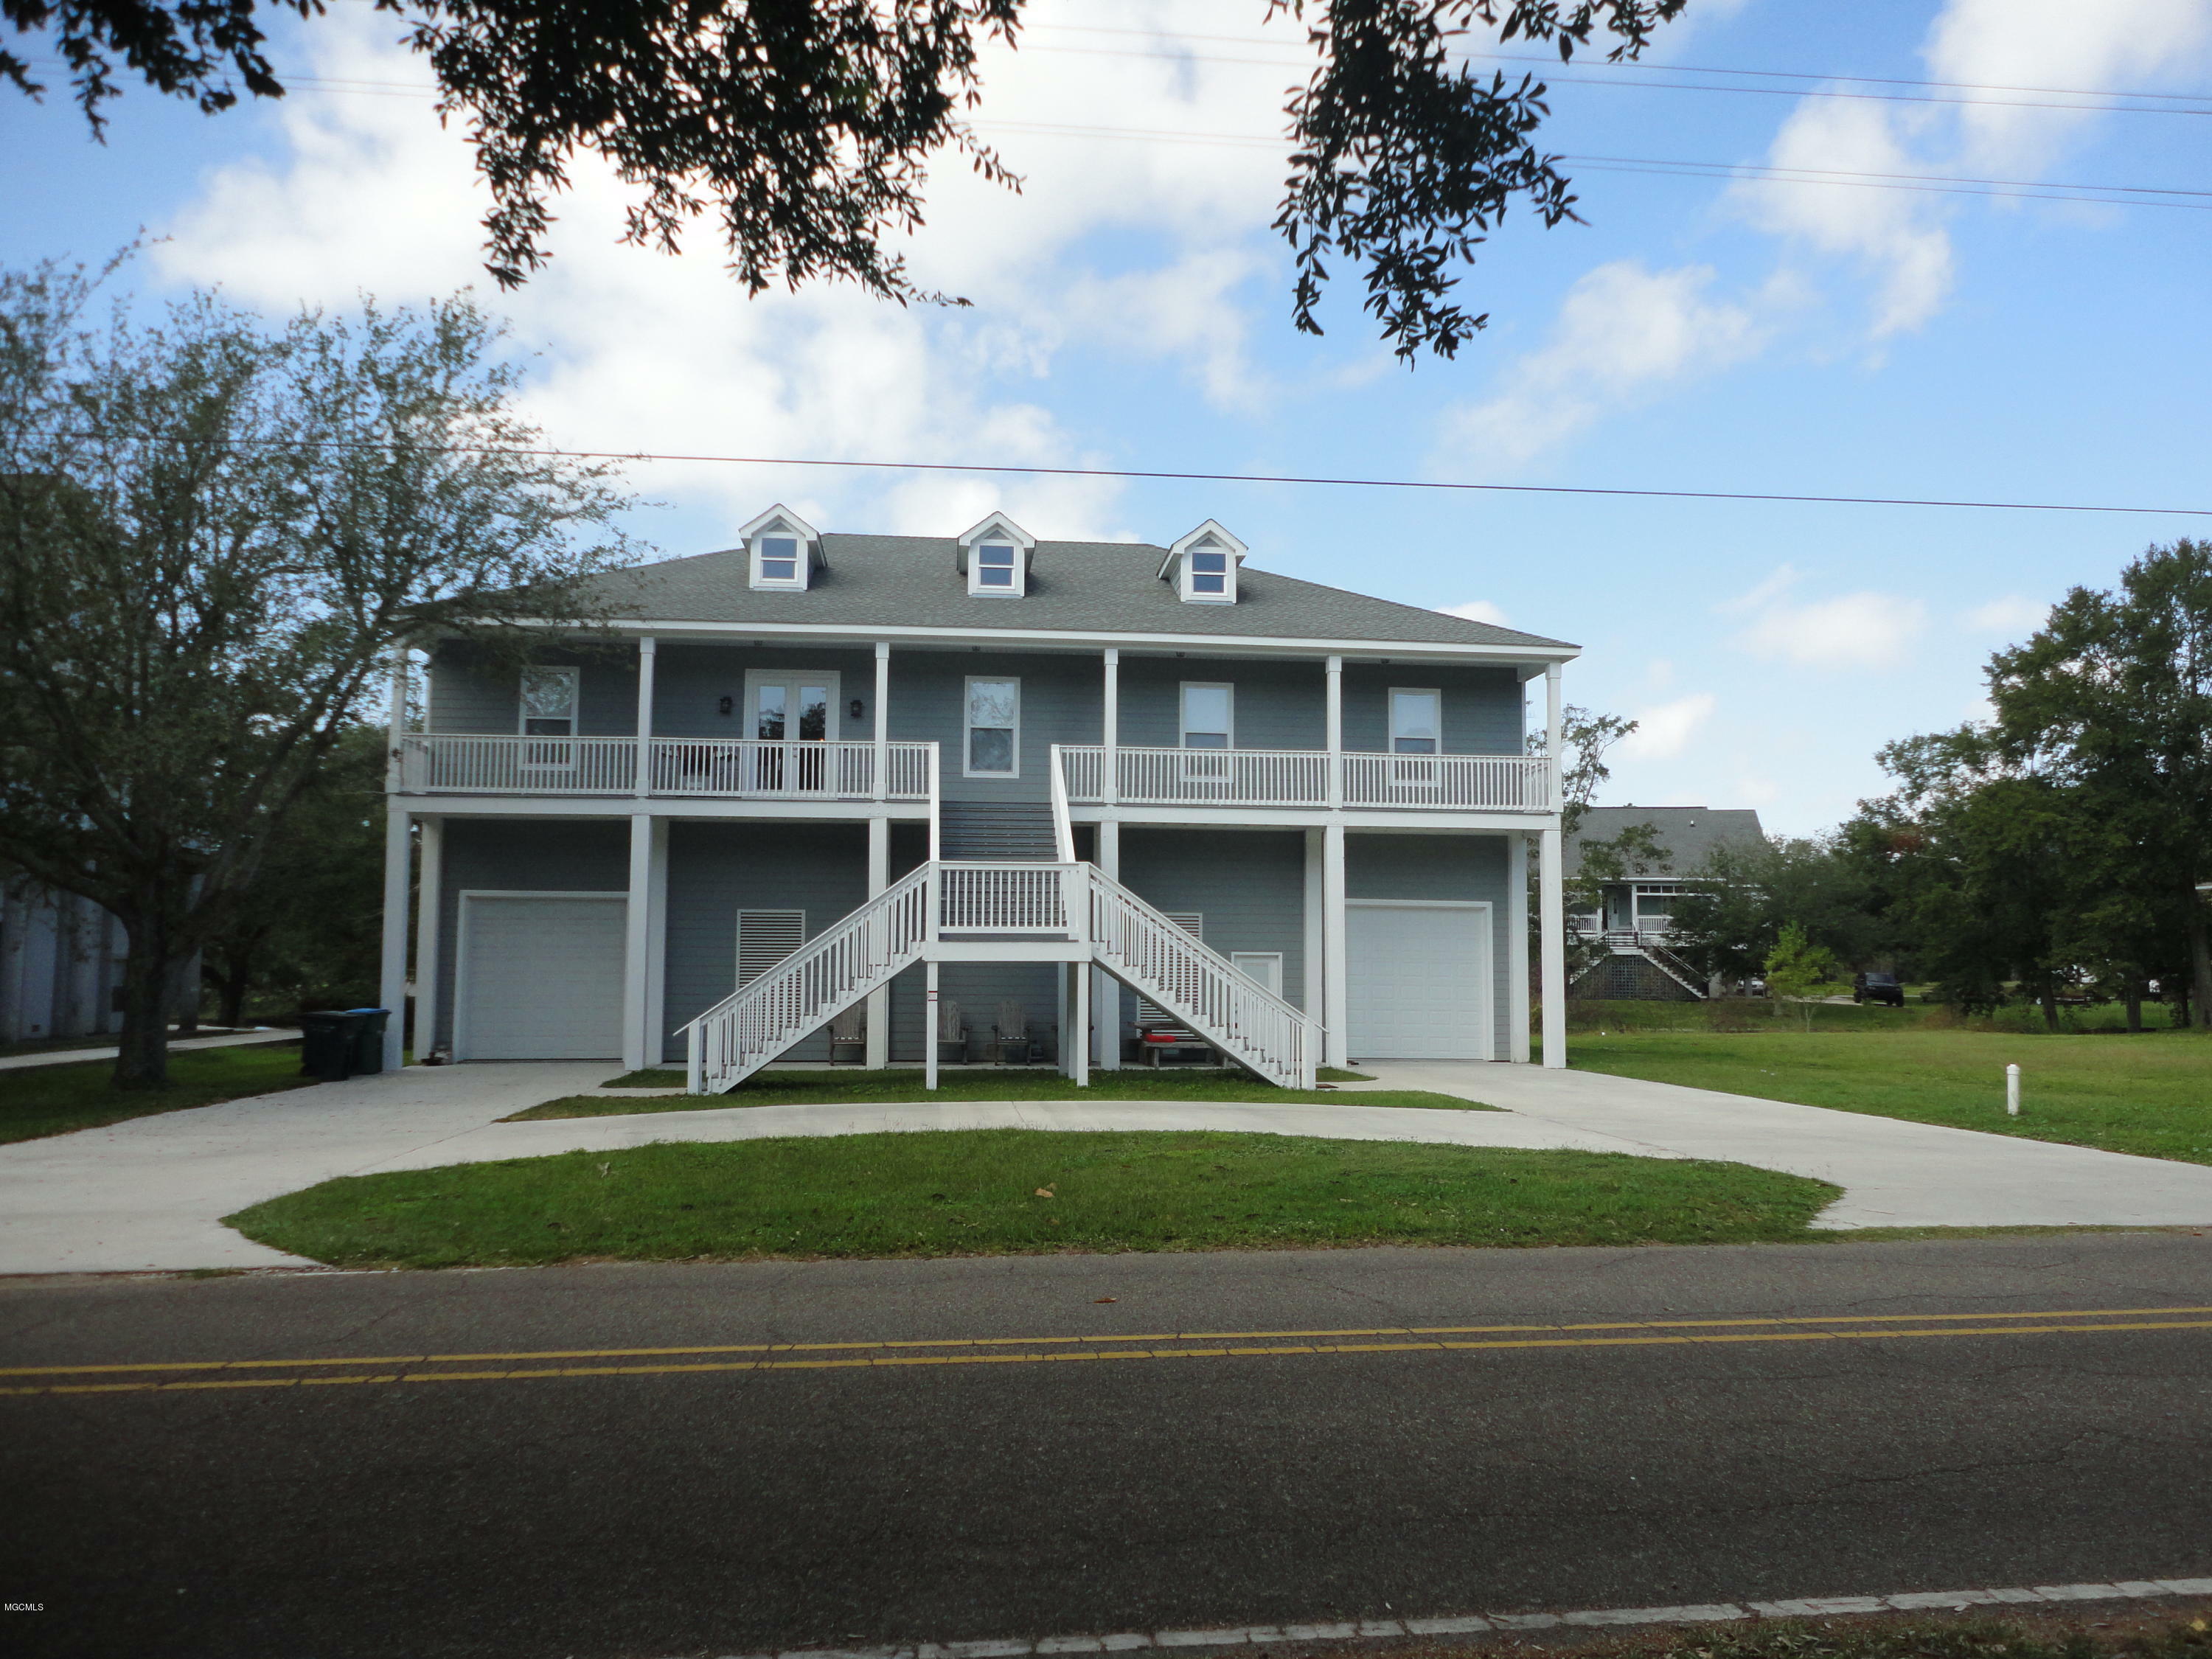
(480, 1506)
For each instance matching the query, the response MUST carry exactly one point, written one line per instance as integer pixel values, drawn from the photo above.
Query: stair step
(991, 830)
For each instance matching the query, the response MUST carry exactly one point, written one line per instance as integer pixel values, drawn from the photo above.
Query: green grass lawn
(51, 1100)
(851, 1085)
(996, 1192)
(2149, 1094)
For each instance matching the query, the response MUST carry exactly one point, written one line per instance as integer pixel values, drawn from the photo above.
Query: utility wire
(1204, 477)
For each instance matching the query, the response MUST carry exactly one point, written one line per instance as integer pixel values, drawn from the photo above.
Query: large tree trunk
(2048, 999)
(148, 991)
(2200, 961)
(230, 990)
(2133, 997)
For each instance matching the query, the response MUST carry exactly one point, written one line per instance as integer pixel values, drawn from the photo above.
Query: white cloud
(2009, 615)
(1663, 731)
(1852, 630)
(1623, 332)
(1898, 236)
(642, 351)
(1481, 610)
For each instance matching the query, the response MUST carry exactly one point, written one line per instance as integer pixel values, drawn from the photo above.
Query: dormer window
(995, 557)
(786, 550)
(779, 560)
(1203, 566)
(994, 566)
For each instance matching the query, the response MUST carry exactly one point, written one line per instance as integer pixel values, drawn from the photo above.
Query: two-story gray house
(901, 798)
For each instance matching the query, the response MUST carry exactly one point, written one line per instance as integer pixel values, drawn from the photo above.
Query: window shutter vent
(766, 938)
(1192, 922)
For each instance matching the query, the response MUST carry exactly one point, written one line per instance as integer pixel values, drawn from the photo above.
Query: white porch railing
(506, 766)
(1461, 783)
(1126, 936)
(1006, 898)
(754, 769)
(736, 768)
(1231, 1009)
(810, 988)
(1300, 777)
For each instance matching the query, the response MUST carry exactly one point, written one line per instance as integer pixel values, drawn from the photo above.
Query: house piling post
(392, 982)
(1551, 896)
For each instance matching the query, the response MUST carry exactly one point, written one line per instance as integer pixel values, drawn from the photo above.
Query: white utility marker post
(1550, 890)
(880, 857)
(2012, 1092)
(392, 984)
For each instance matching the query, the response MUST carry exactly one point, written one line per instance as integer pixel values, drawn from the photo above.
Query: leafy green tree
(215, 539)
(306, 931)
(2111, 698)
(808, 127)
(1797, 968)
(1741, 895)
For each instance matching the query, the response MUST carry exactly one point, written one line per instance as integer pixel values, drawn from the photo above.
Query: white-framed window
(548, 702)
(1417, 720)
(1265, 966)
(994, 570)
(1209, 710)
(992, 717)
(1203, 565)
(996, 554)
(784, 550)
(790, 705)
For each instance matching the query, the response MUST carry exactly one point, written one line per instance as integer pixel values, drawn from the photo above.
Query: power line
(1157, 475)
(1684, 68)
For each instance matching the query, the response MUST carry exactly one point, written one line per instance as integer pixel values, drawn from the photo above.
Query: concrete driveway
(149, 1193)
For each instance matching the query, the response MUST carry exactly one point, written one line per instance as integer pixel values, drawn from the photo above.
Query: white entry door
(541, 976)
(1420, 978)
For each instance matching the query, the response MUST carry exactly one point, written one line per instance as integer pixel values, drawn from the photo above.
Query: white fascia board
(860, 635)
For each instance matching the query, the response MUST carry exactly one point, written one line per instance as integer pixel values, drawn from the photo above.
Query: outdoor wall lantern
(725, 706)
(856, 708)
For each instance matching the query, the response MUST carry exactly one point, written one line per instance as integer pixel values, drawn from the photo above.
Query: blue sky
(1130, 310)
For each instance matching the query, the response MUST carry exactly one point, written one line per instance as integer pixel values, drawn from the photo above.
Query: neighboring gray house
(821, 791)
(61, 962)
(1628, 930)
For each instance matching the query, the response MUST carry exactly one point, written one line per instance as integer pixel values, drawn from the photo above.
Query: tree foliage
(1797, 968)
(1742, 896)
(808, 127)
(214, 536)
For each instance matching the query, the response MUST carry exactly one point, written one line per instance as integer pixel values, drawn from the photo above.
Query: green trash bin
(328, 1040)
(369, 1038)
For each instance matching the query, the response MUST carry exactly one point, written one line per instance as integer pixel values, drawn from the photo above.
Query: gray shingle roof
(1103, 588)
(1688, 833)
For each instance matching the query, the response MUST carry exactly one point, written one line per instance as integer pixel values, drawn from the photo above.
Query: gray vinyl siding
(689, 681)
(1482, 706)
(1248, 885)
(1062, 700)
(471, 694)
(716, 870)
(1275, 705)
(519, 856)
(1465, 867)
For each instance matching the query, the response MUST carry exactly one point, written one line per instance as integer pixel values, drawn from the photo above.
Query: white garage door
(1420, 980)
(541, 976)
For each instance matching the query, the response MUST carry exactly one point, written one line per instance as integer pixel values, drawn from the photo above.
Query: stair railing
(810, 987)
(1202, 987)
(1063, 822)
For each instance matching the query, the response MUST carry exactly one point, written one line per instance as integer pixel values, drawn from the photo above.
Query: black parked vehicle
(1877, 988)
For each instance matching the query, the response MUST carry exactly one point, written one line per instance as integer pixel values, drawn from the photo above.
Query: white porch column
(1079, 1024)
(1551, 896)
(1335, 670)
(1516, 946)
(879, 877)
(429, 882)
(392, 981)
(1105, 989)
(637, 942)
(646, 648)
(656, 948)
(883, 741)
(929, 1023)
(1336, 970)
(1313, 994)
(1109, 732)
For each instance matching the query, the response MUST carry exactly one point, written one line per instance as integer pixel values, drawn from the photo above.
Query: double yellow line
(188, 1376)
